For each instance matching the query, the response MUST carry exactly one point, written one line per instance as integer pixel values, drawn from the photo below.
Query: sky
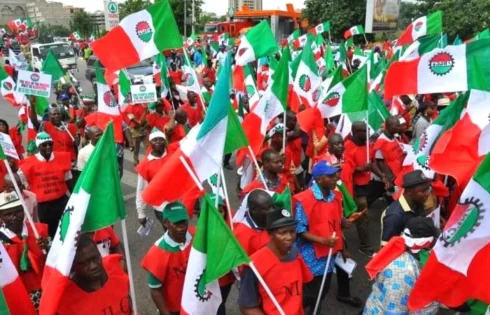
(217, 6)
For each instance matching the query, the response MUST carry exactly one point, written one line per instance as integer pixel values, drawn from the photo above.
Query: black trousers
(50, 213)
(225, 291)
(227, 158)
(311, 291)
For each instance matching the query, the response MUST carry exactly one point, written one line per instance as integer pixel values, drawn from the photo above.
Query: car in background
(61, 50)
(136, 73)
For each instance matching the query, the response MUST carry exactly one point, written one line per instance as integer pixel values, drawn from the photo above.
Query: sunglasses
(46, 144)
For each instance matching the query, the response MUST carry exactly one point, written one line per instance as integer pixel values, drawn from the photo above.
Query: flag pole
(330, 251)
(284, 134)
(266, 288)
(216, 201)
(128, 264)
(261, 175)
(329, 37)
(367, 135)
(21, 197)
(227, 201)
(365, 38)
(191, 173)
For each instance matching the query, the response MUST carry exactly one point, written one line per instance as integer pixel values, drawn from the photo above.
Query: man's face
(191, 96)
(419, 194)
(259, 210)
(275, 164)
(283, 238)
(96, 136)
(327, 181)
(430, 111)
(393, 128)
(13, 218)
(159, 108)
(177, 230)
(291, 122)
(181, 117)
(336, 147)
(359, 134)
(276, 139)
(55, 116)
(46, 148)
(207, 83)
(88, 263)
(158, 144)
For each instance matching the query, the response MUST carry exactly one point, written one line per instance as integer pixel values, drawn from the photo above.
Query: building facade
(251, 4)
(54, 13)
(11, 10)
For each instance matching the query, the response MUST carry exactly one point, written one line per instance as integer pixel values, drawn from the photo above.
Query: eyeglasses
(46, 144)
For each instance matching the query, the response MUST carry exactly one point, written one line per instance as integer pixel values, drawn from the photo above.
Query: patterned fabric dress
(392, 287)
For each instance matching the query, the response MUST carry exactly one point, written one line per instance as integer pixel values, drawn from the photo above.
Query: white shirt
(140, 186)
(83, 155)
(220, 57)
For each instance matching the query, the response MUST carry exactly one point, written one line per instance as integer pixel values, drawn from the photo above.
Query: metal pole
(330, 251)
(185, 18)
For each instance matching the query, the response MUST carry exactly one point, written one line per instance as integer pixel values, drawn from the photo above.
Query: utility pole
(185, 18)
(193, 17)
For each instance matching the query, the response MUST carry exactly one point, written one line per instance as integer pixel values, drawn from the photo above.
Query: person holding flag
(194, 109)
(271, 261)
(166, 261)
(26, 252)
(319, 216)
(158, 118)
(96, 284)
(136, 116)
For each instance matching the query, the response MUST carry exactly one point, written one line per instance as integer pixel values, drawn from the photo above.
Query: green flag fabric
(348, 202)
(99, 185)
(283, 200)
(355, 97)
(52, 66)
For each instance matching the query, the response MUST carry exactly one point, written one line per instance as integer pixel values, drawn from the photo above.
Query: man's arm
(33, 117)
(249, 296)
(157, 297)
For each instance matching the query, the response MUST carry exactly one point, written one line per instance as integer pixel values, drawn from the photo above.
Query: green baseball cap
(175, 212)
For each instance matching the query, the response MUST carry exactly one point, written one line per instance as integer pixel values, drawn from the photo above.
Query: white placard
(143, 93)
(33, 83)
(8, 146)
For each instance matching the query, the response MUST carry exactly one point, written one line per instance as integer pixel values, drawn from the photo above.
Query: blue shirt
(316, 265)
(197, 59)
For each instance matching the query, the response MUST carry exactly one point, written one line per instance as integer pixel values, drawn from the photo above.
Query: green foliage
(48, 31)
(341, 14)
(463, 18)
(178, 8)
(82, 22)
(132, 6)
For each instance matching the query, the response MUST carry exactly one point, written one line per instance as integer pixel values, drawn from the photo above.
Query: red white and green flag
(191, 81)
(250, 87)
(421, 46)
(7, 89)
(94, 204)
(139, 36)
(307, 81)
(75, 36)
(200, 153)
(223, 38)
(294, 35)
(349, 95)
(320, 28)
(17, 25)
(256, 43)
(444, 70)
(355, 30)
(160, 73)
(423, 26)
(106, 102)
(14, 298)
(215, 252)
(458, 155)
(271, 104)
(459, 261)
(301, 41)
(190, 40)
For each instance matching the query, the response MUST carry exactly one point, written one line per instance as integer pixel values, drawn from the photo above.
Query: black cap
(279, 218)
(415, 178)
(420, 227)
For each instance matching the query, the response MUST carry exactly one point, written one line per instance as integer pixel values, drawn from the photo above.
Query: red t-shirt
(62, 140)
(194, 113)
(136, 111)
(176, 76)
(209, 73)
(178, 134)
(158, 121)
(9, 69)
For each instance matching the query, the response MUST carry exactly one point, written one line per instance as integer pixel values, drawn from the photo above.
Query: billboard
(382, 15)
(111, 14)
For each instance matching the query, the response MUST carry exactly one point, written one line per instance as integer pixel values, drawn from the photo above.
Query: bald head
(9, 184)
(336, 145)
(94, 133)
(358, 126)
(259, 204)
(392, 124)
(181, 116)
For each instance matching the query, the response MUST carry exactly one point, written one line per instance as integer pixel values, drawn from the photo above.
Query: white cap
(156, 133)
(43, 137)
(9, 200)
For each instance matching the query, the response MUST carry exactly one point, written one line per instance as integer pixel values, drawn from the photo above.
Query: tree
(341, 14)
(131, 6)
(178, 8)
(463, 18)
(82, 22)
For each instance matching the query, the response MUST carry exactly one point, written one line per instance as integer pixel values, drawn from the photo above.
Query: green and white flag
(215, 252)
(96, 203)
(124, 89)
(355, 30)
(190, 78)
(160, 73)
(223, 38)
(190, 40)
(7, 89)
(52, 66)
(320, 28)
(294, 35)
(256, 43)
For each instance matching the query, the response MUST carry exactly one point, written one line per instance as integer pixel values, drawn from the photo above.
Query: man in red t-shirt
(136, 115)
(158, 119)
(175, 74)
(194, 110)
(176, 129)
(209, 72)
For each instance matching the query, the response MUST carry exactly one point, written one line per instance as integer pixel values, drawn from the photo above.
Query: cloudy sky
(218, 6)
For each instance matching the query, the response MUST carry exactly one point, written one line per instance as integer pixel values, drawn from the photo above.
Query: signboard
(382, 15)
(33, 83)
(8, 146)
(143, 93)
(111, 14)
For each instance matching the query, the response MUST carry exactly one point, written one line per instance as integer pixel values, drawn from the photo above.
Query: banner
(143, 93)
(382, 15)
(33, 83)
(8, 146)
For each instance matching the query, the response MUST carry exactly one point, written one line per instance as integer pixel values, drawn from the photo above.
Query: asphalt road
(360, 285)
